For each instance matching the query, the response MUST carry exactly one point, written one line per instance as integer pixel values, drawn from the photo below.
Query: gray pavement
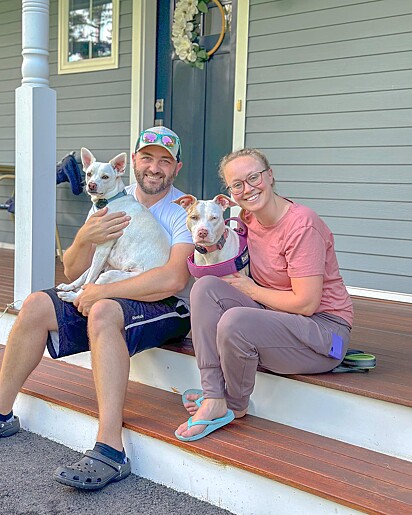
(27, 488)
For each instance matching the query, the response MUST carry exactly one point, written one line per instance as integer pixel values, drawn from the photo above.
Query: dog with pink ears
(219, 249)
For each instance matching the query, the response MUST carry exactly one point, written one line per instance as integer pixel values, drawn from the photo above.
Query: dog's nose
(202, 233)
(92, 186)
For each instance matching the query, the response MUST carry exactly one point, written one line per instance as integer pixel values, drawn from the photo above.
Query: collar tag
(200, 249)
(101, 203)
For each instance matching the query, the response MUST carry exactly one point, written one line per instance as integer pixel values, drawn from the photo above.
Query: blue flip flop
(211, 425)
(193, 391)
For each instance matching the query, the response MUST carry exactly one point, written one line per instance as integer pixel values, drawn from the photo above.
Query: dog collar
(231, 266)
(102, 202)
(217, 246)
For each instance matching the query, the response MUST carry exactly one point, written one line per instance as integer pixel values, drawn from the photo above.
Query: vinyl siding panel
(329, 100)
(93, 110)
(10, 50)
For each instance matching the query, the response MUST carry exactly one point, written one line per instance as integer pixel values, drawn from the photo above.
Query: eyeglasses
(166, 140)
(253, 179)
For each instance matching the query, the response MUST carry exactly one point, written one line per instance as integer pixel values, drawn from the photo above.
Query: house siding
(10, 64)
(93, 110)
(329, 100)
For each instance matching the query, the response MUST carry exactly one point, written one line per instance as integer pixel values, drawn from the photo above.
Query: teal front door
(198, 104)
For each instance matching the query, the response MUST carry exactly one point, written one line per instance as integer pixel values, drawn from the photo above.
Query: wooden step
(364, 480)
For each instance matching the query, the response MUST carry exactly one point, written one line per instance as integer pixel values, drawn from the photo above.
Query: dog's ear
(186, 201)
(224, 202)
(87, 158)
(119, 163)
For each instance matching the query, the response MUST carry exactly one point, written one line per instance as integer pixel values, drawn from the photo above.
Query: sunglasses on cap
(149, 137)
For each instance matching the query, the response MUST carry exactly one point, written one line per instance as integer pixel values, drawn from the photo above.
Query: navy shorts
(146, 325)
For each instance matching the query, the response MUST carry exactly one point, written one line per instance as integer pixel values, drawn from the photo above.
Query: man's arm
(155, 284)
(98, 228)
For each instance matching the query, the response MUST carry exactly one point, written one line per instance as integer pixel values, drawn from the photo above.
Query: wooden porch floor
(7, 278)
(382, 328)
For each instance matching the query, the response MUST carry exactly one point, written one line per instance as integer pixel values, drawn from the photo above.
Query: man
(111, 314)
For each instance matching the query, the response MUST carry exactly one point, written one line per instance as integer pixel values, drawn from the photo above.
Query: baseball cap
(162, 137)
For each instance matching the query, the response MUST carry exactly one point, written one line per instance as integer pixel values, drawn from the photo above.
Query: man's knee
(38, 307)
(104, 313)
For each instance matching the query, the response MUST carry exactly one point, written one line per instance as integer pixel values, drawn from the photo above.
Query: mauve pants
(232, 334)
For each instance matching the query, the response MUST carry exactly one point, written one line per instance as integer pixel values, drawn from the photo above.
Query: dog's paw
(67, 296)
(65, 287)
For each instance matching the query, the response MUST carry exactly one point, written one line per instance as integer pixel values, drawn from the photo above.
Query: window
(88, 35)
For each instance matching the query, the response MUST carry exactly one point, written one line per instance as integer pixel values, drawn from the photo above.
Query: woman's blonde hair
(252, 152)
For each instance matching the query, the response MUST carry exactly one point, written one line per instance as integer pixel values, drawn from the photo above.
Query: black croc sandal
(10, 427)
(93, 472)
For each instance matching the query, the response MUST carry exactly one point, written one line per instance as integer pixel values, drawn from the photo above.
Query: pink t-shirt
(299, 245)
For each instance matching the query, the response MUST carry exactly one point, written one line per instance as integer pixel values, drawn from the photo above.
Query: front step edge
(222, 485)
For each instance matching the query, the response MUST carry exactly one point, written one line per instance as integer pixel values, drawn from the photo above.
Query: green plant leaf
(202, 54)
(202, 6)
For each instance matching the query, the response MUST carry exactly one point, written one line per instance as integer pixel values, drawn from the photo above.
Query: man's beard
(152, 189)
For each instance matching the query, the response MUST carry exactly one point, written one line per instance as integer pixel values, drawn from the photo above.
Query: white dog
(219, 249)
(144, 243)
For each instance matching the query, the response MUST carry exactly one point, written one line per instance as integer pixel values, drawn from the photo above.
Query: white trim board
(9, 246)
(380, 294)
(143, 68)
(242, 44)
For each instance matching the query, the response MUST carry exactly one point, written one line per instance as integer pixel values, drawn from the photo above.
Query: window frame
(87, 65)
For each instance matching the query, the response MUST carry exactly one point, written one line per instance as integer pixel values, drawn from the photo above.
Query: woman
(291, 318)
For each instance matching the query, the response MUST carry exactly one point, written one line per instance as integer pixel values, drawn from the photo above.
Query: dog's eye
(105, 177)
(89, 174)
(213, 218)
(194, 217)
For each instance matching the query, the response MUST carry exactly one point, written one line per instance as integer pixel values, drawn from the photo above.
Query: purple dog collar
(228, 267)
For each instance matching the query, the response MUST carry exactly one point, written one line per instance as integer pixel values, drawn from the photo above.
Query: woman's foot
(192, 407)
(240, 414)
(210, 409)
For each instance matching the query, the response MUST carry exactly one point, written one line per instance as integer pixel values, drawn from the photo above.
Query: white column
(35, 157)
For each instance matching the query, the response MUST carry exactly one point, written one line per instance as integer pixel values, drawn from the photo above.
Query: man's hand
(91, 293)
(99, 228)
(103, 226)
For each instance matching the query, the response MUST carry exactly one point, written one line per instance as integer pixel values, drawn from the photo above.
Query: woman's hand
(243, 283)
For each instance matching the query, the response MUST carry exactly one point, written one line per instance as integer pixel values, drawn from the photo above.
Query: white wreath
(185, 32)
